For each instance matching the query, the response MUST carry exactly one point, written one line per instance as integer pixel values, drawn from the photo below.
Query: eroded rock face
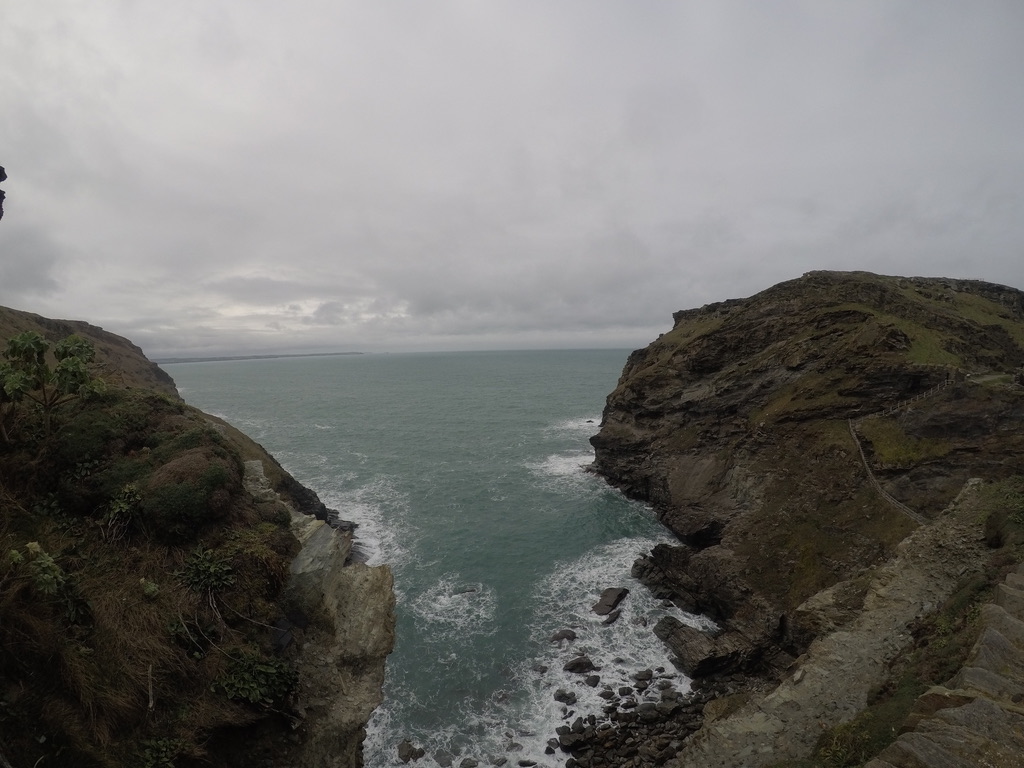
(347, 612)
(976, 718)
(734, 425)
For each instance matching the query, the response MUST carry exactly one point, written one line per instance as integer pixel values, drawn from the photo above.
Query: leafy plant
(256, 679)
(206, 570)
(47, 576)
(121, 513)
(161, 753)
(26, 375)
(150, 589)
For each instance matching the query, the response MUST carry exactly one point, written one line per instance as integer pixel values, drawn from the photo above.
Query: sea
(466, 473)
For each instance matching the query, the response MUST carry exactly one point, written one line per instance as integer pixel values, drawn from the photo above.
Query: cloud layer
(227, 176)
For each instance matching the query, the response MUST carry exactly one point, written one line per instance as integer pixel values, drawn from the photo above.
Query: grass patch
(927, 348)
(893, 447)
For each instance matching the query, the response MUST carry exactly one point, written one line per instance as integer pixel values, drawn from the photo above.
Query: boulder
(581, 665)
(564, 696)
(699, 653)
(408, 752)
(563, 636)
(610, 598)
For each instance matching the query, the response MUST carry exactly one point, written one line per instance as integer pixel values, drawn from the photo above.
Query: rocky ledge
(977, 718)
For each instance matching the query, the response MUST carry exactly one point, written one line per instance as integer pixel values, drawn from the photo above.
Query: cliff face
(169, 594)
(746, 426)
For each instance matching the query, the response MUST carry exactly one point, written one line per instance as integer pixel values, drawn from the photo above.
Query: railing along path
(915, 516)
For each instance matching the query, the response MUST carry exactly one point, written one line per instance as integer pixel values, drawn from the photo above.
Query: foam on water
(518, 719)
(582, 426)
(380, 512)
(452, 610)
(563, 465)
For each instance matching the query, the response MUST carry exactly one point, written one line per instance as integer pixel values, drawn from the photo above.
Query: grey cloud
(246, 176)
(28, 264)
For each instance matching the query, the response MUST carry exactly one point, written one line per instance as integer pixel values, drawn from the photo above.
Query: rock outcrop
(977, 718)
(341, 618)
(747, 428)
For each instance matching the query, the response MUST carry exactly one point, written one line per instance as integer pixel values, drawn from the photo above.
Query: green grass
(895, 448)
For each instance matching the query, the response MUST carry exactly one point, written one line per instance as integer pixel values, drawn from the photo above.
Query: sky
(247, 176)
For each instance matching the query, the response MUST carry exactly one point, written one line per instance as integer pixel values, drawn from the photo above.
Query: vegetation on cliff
(139, 581)
(794, 439)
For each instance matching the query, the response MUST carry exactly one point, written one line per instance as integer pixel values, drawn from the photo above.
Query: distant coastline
(227, 358)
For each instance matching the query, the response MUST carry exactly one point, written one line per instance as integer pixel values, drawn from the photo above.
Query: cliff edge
(803, 443)
(169, 595)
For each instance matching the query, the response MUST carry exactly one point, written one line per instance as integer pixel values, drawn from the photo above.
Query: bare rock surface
(831, 682)
(342, 650)
(977, 718)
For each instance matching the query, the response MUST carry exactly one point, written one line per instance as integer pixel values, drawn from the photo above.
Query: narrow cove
(465, 473)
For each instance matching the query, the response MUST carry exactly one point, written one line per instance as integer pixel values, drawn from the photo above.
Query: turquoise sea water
(464, 472)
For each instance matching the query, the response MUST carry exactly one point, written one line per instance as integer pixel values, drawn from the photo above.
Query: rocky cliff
(796, 441)
(169, 594)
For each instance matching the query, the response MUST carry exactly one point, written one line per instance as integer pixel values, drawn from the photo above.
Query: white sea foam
(518, 719)
(379, 510)
(563, 465)
(578, 426)
(452, 608)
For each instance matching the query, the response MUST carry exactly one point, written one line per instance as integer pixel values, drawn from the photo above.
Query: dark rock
(700, 654)
(563, 635)
(469, 762)
(407, 751)
(571, 741)
(593, 680)
(443, 758)
(610, 598)
(580, 665)
(648, 712)
(612, 617)
(564, 696)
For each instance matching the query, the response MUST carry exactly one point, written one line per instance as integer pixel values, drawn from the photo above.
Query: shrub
(176, 510)
(206, 570)
(256, 679)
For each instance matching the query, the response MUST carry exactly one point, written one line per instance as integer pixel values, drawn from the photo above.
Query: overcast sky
(233, 176)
